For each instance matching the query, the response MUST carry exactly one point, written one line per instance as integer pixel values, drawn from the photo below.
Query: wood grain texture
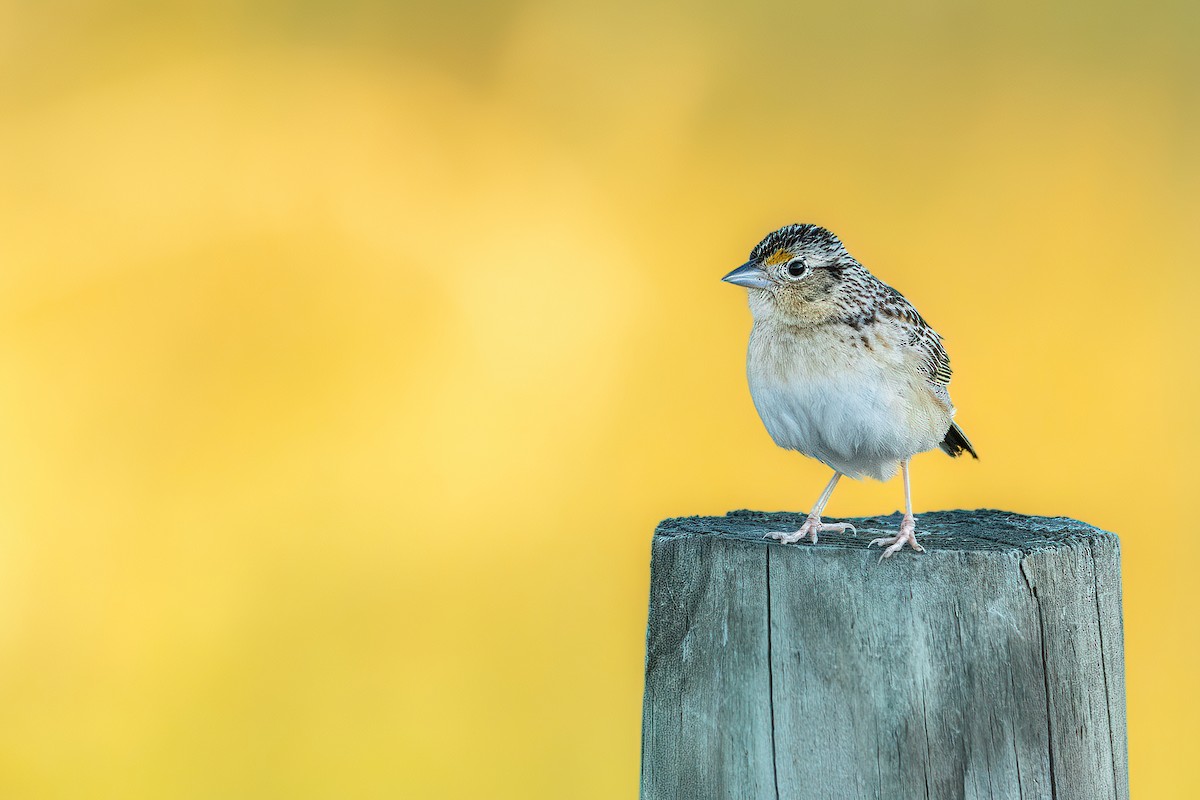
(991, 666)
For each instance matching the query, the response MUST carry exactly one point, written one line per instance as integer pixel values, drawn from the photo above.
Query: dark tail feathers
(956, 442)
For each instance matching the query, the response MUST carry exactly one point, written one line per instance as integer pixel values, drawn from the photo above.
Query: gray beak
(748, 275)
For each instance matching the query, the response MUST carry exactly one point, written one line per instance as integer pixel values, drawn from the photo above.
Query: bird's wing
(933, 362)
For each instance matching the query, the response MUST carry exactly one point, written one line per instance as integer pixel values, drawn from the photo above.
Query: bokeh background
(350, 351)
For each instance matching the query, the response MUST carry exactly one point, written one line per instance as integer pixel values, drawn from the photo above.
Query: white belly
(860, 411)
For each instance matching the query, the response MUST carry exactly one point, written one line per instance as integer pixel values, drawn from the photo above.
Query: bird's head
(796, 272)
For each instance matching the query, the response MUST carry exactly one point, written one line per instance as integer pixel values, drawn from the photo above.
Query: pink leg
(908, 525)
(813, 525)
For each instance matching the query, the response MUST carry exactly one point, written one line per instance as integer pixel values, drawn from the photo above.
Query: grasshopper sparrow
(843, 369)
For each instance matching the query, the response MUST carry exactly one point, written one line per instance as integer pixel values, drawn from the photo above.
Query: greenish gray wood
(991, 666)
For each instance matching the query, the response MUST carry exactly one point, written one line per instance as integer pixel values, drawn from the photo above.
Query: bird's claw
(894, 544)
(811, 527)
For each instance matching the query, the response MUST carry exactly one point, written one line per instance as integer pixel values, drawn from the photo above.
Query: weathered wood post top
(990, 666)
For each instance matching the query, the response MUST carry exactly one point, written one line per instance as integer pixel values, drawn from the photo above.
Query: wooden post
(991, 666)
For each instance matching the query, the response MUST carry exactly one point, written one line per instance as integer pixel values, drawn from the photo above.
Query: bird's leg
(813, 525)
(908, 525)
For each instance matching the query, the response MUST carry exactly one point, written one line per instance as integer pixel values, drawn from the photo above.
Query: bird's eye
(796, 269)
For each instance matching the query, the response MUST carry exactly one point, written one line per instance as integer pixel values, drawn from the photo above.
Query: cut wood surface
(990, 666)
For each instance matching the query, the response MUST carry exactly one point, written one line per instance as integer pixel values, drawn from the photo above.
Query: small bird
(843, 369)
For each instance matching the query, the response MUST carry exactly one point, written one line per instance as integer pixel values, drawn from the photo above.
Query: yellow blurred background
(350, 352)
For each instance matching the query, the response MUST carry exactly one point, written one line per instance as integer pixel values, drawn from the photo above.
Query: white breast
(852, 400)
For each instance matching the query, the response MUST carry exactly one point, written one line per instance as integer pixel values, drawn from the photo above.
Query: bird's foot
(811, 527)
(907, 535)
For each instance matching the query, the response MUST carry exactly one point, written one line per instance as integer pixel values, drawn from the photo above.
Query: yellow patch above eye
(778, 257)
